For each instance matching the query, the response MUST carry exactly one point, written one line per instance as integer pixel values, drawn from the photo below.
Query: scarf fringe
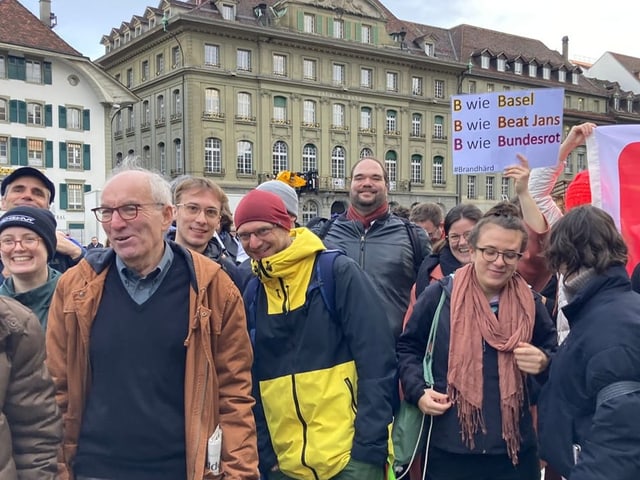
(469, 416)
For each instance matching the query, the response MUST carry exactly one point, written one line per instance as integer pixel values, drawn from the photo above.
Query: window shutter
(329, 28)
(300, 21)
(87, 188)
(375, 35)
(17, 68)
(86, 120)
(22, 112)
(319, 25)
(48, 154)
(358, 32)
(47, 73)
(13, 111)
(24, 153)
(347, 30)
(48, 115)
(64, 202)
(86, 157)
(62, 116)
(63, 154)
(15, 151)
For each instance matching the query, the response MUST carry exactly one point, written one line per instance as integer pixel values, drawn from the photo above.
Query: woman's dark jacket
(411, 349)
(602, 348)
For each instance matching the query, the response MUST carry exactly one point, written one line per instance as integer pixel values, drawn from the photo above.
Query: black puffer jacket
(603, 347)
(30, 423)
(385, 252)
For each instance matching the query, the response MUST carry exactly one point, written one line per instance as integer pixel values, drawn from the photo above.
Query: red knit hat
(578, 192)
(262, 206)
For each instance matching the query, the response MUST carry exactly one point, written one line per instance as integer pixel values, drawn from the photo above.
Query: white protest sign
(488, 130)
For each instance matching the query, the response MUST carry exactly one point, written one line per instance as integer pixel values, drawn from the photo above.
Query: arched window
(309, 210)
(309, 157)
(391, 164)
(366, 153)
(438, 170)
(162, 158)
(211, 101)
(416, 125)
(244, 106)
(416, 168)
(338, 162)
(177, 154)
(309, 113)
(438, 127)
(279, 109)
(392, 121)
(245, 158)
(160, 108)
(212, 155)
(176, 103)
(280, 157)
(366, 119)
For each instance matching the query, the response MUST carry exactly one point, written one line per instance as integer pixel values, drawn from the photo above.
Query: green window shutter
(15, 151)
(76, 226)
(319, 25)
(358, 32)
(13, 111)
(280, 102)
(48, 115)
(301, 21)
(87, 188)
(86, 156)
(17, 69)
(62, 116)
(47, 73)
(22, 112)
(63, 154)
(24, 153)
(86, 120)
(48, 154)
(375, 35)
(329, 27)
(64, 201)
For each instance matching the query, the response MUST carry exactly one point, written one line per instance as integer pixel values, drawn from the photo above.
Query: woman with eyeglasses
(492, 332)
(27, 244)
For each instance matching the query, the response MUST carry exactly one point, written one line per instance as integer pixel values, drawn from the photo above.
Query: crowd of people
(206, 344)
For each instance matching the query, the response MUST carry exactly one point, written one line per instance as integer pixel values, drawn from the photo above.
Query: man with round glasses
(148, 347)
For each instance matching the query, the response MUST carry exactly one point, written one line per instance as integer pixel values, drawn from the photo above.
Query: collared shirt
(140, 288)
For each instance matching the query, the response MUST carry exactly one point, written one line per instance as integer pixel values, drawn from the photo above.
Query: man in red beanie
(314, 361)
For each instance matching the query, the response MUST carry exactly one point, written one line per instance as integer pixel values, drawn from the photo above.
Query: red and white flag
(613, 154)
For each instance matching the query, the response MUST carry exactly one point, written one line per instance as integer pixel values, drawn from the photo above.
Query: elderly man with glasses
(148, 348)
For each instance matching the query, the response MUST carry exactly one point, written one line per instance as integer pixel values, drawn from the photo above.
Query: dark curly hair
(504, 214)
(586, 237)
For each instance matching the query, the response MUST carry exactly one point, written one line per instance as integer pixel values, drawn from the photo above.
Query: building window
(244, 105)
(416, 168)
(416, 86)
(366, 153)
(533, 70)
(437, 175)
(4, 150)
(562, 76)
(438, 88)
(596, 106)
(489, 189)
(338, 162)
(338, 74)
(338, 115)
(3, 67)
(34, 71)
(567, 101)
(581, 161)
(228, 12)
(504, 189)
(581, 104)
(160, 108)
(366, 120)
(279, 64)
(616, 103)
(309, 69)
(280, 157)
(146, 157)
(176, 102)
(34, 114)
(131, 125)
(391, 164)
(245, 158)
(490, 87)
(129, 78)
(366, 33)
(309, 211)
(392, 122)
(211, 101)
(145, 70)
(574, 78)
(3, 110)
(279, 109)
(416, 125)
(629, 104)
(309, 23)
(309, 157)
(212, 55)
(485, 60)
(74, 156)
(146, 113)
(471, 86)
(502, 64)
(177, 155)
(159, 63)
(244, 60)
(438, 127)
(175, 57)
(35, 151)
(338, 28)
(162, 158)
(546, 72)
(392, 82)
(74, 118)
(75, 196)
(366, 78)
(471, 186)
(429, 49)
(309, 113)
(517, 67)
(212, 155)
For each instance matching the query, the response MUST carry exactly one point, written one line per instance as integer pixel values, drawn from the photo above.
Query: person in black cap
(27, 243)
(28, 186)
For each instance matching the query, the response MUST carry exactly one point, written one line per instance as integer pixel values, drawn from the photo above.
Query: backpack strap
(326, 226)
(250, 297)
(428, 356)
(324, 279)
(416, 246)
(616, 389)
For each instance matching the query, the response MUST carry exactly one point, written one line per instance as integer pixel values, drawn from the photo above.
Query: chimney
(46, 16)
(565, 48)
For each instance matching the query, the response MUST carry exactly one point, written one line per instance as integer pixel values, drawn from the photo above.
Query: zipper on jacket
(362, 239)
(354, 403)
(305, 428)
(285, 296)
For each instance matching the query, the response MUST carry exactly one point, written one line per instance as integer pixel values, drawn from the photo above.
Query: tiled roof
(631, 64)
(31, 32)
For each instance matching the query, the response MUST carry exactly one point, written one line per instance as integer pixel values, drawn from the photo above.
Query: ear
(167, 216)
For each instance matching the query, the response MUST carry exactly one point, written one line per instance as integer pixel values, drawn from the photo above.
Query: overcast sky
(591, 31)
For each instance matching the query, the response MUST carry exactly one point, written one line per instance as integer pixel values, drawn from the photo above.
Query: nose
(499, 260)
(254, 242)
(117, 221)
(201, 217)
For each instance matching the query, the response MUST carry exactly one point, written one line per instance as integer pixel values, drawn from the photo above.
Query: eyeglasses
(260, 233)
(491, 254)
(455, 237)
(126, 212)
(7, 244)
(194, 210)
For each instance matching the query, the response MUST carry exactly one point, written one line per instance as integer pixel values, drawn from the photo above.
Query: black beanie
(39, 220)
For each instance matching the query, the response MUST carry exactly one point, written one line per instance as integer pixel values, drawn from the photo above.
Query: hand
(66, 246)
(530, 359)
(579, 133)
(520, 173)
(434, 403)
